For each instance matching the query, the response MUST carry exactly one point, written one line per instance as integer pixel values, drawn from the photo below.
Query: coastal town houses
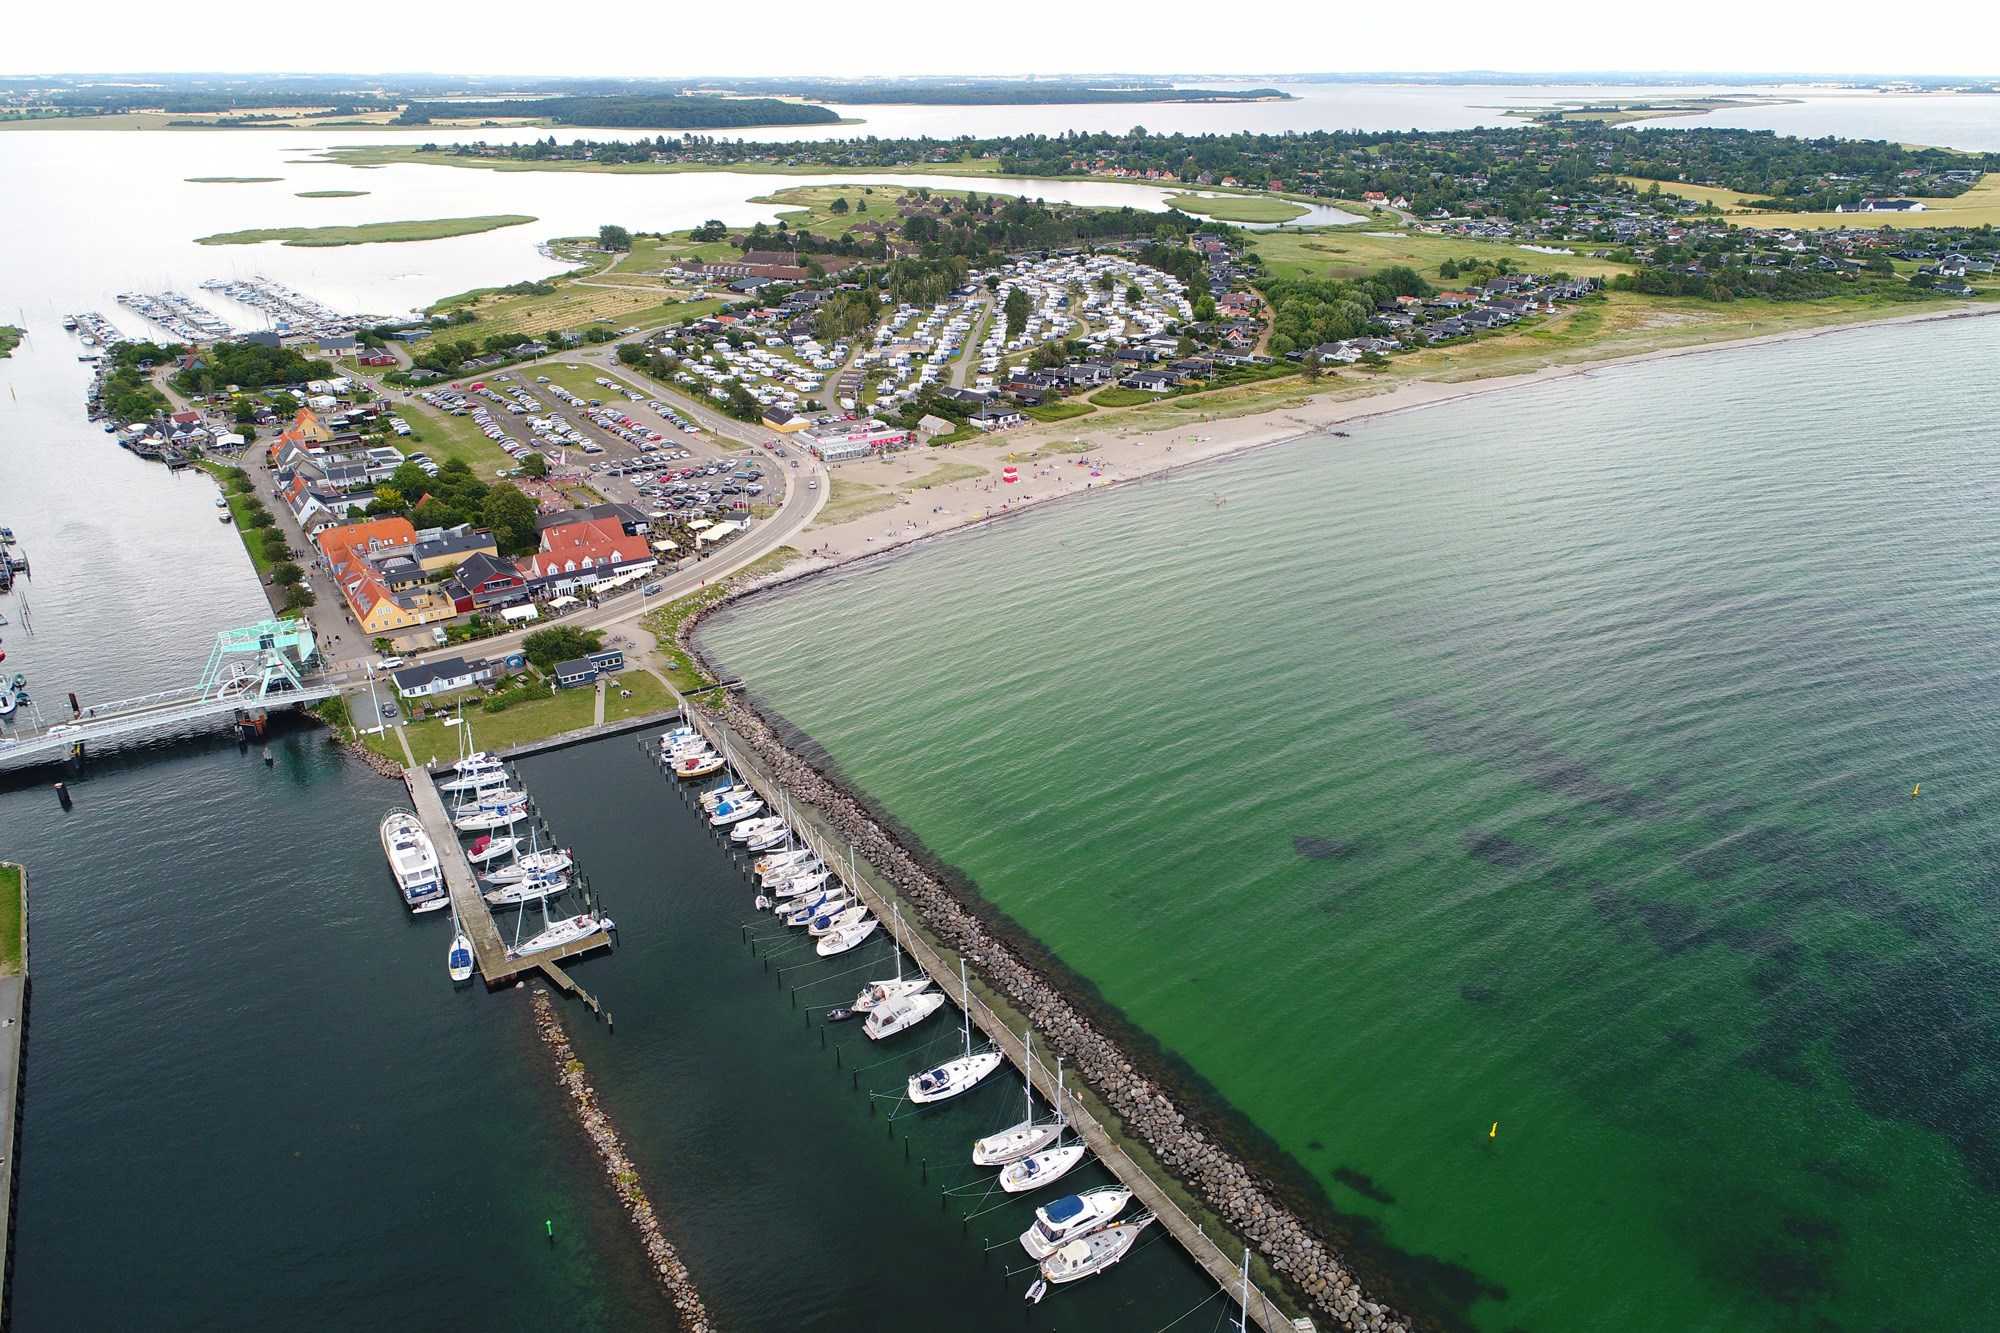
(576, 555)
(386, 590)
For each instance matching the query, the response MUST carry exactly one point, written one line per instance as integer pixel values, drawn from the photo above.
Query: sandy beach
(908, 499)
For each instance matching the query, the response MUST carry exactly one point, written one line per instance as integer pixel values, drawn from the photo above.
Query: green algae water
(1544, 759)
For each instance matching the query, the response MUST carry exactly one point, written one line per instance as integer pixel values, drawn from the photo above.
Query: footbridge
(251, 670)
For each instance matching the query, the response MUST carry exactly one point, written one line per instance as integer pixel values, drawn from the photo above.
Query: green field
(1352, 252)
(536, 719)
(1977, 207)
(13, 924)
(231, 180)
(328, 194)
(1064, 411)
(1237, 207)
(849, 500)
(382, 155)
(944, 474)
(368, 233)
(445, 437)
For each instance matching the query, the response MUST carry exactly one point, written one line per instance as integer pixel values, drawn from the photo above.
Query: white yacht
(1073, 1215)
(479, 779)
(764, 842)
(533, 889)
(1041, 1168)
(804, 914)
(493, 813)
(698, 765)
(800, 885)
(486, 848)
(413, 861)
(715, 796)
(782, 862)
(1087, 1256)
(835, 918)
(1017, 1141)
(458, 958)
(847, 937)
(554, 861)
(954, 1078)
(747, 829)
(558, 933)
(901, 1014)
(878, 993)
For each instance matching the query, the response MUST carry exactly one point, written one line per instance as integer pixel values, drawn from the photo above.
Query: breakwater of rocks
(1246, 1204)
(666, 1264)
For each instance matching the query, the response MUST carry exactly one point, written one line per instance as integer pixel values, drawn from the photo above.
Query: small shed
(575, 672)
(931, 425)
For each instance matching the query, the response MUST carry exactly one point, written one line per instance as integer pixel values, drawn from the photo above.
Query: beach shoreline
(1073, 459)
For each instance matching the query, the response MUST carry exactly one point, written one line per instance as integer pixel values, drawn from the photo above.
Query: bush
(299, 596)
(260, 517)
(286, 573)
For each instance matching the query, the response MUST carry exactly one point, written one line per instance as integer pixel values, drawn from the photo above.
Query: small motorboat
(698, 766)
(900, 1015)
(764, 842)
(747, 829)
(733, 813)
(715, 796)
(799, 885)
(878, 993)
(785, 874)
(840, 1015)
(1063, 1220)
(828, 924)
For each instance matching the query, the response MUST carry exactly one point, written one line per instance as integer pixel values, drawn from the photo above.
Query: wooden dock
(496, 965)
(1146, 1188)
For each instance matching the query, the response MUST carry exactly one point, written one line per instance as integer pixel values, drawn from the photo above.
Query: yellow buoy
(1494, 1132)
(1914, 790)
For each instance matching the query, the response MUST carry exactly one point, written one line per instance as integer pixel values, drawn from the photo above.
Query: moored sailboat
(1017, 1141)
(954, 1078)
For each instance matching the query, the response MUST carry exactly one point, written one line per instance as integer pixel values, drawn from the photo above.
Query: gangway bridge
(251, 671)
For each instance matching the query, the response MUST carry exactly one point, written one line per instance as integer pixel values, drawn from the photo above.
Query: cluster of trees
(846, 314)
(613, 237)
(129, 394)
(448, 356)
(249, 365)
(979, 226)
(664, 362)
(669, 112)
(551, 647)
(456, 496)
(1733, 281)
(1308, 311)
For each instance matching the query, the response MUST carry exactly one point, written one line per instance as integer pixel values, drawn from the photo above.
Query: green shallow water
(1543, 759)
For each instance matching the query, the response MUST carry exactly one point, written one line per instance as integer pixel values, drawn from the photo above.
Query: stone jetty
(624, 1177)
(1306, 1263)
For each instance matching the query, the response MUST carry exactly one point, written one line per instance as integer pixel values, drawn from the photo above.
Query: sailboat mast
(1243, 1315)
(965, 1003)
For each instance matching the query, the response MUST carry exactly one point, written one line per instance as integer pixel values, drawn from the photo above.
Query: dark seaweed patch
(1496, 849)
(1315, 1145)
(1518, 750)
(1821, 1230)
(1789, 1274)
(1473, 993)
(1683, 1039)
(1315, 848)
(1848, 1176)
(1359, 1182)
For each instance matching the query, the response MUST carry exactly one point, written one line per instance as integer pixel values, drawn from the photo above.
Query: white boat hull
(494, 849)
(954, 1078)
(559, 933)
(1099, 1208)
(1011, 1145)
(847, 937)
(901, 1015)
(878, 993)
(1090, 1255)
(1036, 1170)
(527, 891)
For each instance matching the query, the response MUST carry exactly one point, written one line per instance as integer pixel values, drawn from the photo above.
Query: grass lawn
(1062, 411)
(242, 504)
(1350, 252)
(1237, 207)
(367, 233)
(532, 720)
(11, 924)
(1977, 207)
(944, 474)
(849, 500)
(328, 194)
(1118, 396)
(446, 437)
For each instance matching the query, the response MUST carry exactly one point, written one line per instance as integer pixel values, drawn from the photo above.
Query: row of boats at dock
(182, 316)
(511, 866)
(291, 313)
(1073, 1237)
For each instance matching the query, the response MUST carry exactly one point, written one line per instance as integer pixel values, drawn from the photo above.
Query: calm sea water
(1544, 760)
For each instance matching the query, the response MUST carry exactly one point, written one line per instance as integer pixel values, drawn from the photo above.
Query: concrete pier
(1221, 1265)
(13, 1036)
(496, 965)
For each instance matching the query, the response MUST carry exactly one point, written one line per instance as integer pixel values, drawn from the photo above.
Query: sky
(891, 37)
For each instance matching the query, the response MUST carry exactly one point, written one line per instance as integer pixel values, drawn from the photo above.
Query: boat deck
(496, 966)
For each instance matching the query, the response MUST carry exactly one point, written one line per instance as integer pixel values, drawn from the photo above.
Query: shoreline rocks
(1304, 1262)
(667, 1268)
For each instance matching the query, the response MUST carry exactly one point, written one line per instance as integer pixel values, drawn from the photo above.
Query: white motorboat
(715, 796)
(835, 918)
(901, 1014)
(783, 875)
(799, 885)
(1041, 1168)
(533, 889)
(847, 937)
(731, 812)
(698, 766)
(747, 829)
(551, 862)
(556, 934)
(1017, 1141)
(1087, 1256)
(413, 860)
(1073, 1215)
(487, 848)
(672, 740)
(955, 1078)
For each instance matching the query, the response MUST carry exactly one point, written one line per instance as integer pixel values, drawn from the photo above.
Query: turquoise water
(1544, 759)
